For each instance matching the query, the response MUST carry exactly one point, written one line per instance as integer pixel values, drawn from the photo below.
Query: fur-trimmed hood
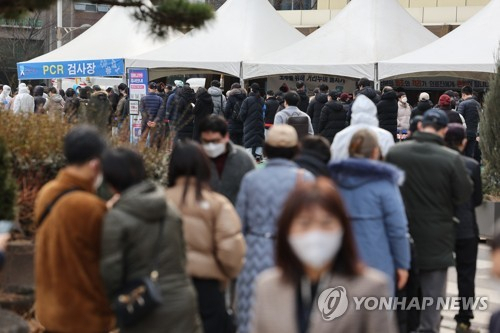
(236, 91)
(355, 172)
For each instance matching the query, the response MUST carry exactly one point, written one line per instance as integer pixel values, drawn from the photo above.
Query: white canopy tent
(241, 30)
(117, 35)
(362, 34)
(469, 51)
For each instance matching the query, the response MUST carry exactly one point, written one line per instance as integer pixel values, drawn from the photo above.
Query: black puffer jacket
(203, 108)
(272, 105)
(185, 116)
(453, 116)
(371, 94)
(234, 96)
(314, 110)
(304, 100)
(253, 121)
(387, 112)
(420, 109)
(333, 120)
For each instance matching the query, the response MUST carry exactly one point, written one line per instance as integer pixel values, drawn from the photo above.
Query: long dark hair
(323, 194)
(189, 160)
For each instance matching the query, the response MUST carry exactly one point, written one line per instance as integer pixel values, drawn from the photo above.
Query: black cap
(435, 116)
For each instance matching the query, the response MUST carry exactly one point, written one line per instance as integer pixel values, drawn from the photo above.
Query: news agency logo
(333, 303)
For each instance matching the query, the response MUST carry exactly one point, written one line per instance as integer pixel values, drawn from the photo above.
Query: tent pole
(375, 76)
(242, 82)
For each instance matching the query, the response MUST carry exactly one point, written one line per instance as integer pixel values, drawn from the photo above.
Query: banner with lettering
(312, 81)
(70, 69)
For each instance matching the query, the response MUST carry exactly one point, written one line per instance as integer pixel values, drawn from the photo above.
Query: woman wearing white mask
(404, 115)
(318, 275)
(212, 230)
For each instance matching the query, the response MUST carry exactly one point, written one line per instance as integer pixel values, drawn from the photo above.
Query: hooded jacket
(364, 116)
(304, 100)
(436, 181)
(333, 120)
(218, 99)
(203, 108)
(252, 115)
(371, 94)
(234, 96)
(54, 104)
(421, 107)
(184, 118)
(379, 224)
(5, 96)
(39, 100)
(129, 236)
(24, 102)
(387, 112)
(272, 105)
(98, 111)
(314, 110)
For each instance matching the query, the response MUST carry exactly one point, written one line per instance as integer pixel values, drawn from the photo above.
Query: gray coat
(129, 234)
(219, 100)
(238, 163)
(261, 198)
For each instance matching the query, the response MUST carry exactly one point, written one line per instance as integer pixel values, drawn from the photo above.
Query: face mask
(404, 100)
(214, 150)
(316, 248)
(98, 181)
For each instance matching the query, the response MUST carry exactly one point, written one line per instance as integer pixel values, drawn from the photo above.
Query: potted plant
(488, 214)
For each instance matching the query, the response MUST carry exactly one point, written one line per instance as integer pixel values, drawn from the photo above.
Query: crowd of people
(232, 245)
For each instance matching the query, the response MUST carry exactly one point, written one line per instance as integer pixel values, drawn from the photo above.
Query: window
(90, 7)
(294, 4)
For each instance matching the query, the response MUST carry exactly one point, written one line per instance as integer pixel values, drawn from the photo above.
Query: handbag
(138, 298)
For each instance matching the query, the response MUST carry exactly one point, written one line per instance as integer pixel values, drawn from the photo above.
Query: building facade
(26, 38)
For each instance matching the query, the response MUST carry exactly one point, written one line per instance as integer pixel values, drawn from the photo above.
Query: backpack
(300, 123)
(235, 115)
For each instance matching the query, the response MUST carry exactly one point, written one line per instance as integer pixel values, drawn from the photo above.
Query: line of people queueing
(213, 232)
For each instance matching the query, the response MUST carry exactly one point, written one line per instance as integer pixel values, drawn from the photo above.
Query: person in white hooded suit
(364, 116)
(24, 102)
(5, 97)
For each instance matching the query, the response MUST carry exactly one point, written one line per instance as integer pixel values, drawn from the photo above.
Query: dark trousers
(236, 137)
(466, 258)
(408, 320)
(212, 306)
(470, 148)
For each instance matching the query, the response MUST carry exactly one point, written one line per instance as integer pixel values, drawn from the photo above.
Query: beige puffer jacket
(212, 230)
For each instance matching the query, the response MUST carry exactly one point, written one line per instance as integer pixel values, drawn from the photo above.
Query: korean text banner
(70, 69)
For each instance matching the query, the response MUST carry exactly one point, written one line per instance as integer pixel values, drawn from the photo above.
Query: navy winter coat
(252, 115)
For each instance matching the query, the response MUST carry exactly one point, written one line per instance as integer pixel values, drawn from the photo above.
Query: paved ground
(485, 286)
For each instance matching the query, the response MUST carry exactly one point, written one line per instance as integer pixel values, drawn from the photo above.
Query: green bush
(35, 151)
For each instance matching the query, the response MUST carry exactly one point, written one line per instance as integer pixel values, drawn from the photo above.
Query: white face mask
(316, 248)
(404, 100)
(214, 150)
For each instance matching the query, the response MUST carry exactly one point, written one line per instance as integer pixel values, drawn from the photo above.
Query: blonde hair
(363, 144)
